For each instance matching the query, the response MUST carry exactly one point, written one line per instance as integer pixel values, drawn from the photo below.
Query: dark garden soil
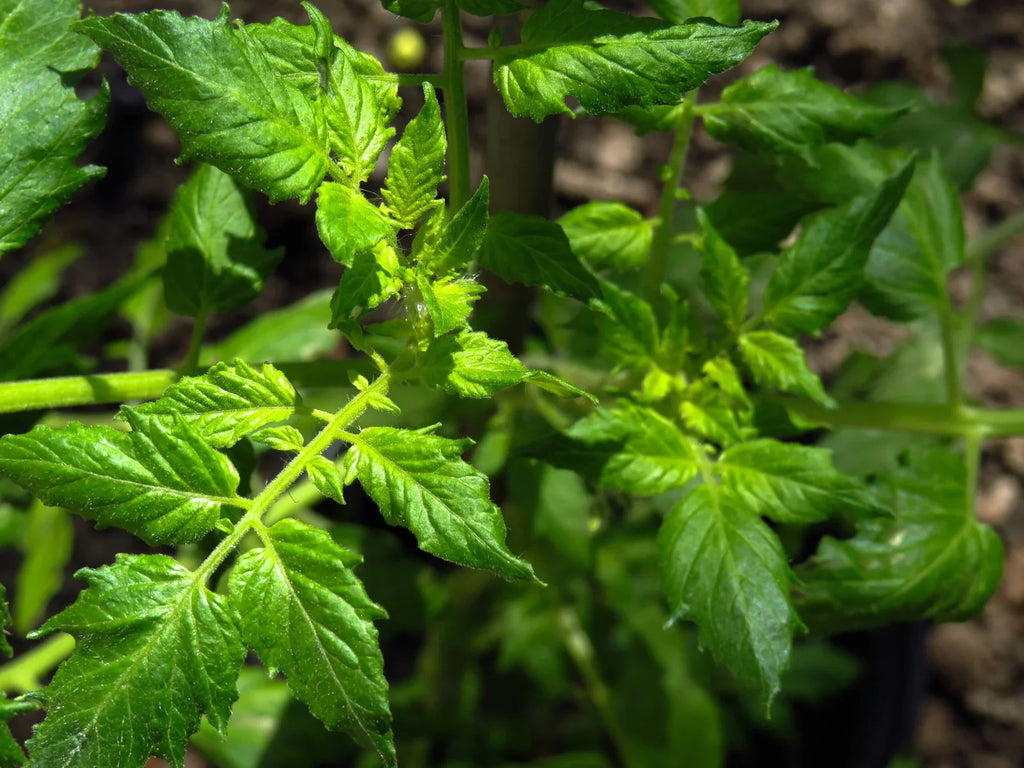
(973, 713)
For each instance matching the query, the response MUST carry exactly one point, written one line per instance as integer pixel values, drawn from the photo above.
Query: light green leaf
(35, 283)
(791, 483)
(933, 560)
(556, 386)
(46, 547)
(678, 11)
(420, 482)
(608, 234)
(534, 251)
(458, 241)
(470, 364)
(228, 402)
(725, 279)
(610, 60)
(45, 125)
(161, 481)
(417, 164)
(449, 302)
(779, 111)
(220, 91)
(216, 261)
(725, 570)
(629, 448)
(155, 650)
(1001, 338)
(349, 223)
(371, 280)
(818, 276)
(326, 477)
(777, 362)
(281, 438)
(300, 607)
(907, 274)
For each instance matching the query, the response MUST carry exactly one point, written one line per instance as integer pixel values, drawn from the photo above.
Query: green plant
(653, 441)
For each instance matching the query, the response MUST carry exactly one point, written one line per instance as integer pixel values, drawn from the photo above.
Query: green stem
(455, 108)
(196, 346)
(972, 461)
(25, 673)
(657, 262)
(950, 358)
(67, 391)
(995, 237)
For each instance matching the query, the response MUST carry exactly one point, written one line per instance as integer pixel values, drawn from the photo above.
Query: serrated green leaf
(932, 560)
(326, 477)
(791, 483)
(228, 402)
(348, 223)
(161, 481)
(281, 438)
(777, 362)
(154, 651)
(46, 126)
(46, 547)
(1002, 338)
(470, 364)
(678, 11)
(449, 302)
(416, 167)
(712, 416)
(629, 330)
(608, 234)
(907, 274)
(725, 279)
(822, 271)
(628, 448)
(725, 570)
(458, 241)
(35, 283)
(371, 280)
(610, 60)
(300, 607)
(772, 110)
(420, 482)
(222, 94)
(556, 386)
(216, 261)
(534, 251)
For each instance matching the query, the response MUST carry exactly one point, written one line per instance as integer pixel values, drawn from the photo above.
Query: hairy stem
(455, 108)
(67, 391)
(657, 262)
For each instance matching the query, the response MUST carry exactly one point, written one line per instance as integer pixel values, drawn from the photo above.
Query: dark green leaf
(420, 482)
(777, 362)
(470, 364)
(932, 560)
(628, 448)
(349, 223)
(725, 279)
(1003, 338)
(818, 276)
(629, 333)
(608, 234)
(790, 483)
(228, 402)
(490, 7)
(678, 11)
(756, 222)
(779, 111)
(422, 11)
(161, 481)
(610, 60)
(220, 91)
(458, 241)
(11, 755)
(216, 261)
(154, 651)
(46, 547)
(370, 281)
(417, 164)
(300, 607)
(907, 273)
(534, 251)
(725, 570)
(45, 125)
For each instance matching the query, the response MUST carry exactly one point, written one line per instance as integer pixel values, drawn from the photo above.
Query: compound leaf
(417, 164)
(723, 568)
(161, 481)
(348, 223)
(725, 279)
(608, 234)
(786, 111)
(778, 362)
(45, 125)
(154, 650)
(629, 448)
(790, 483)
(534, 251)
(420, 482)
(228, 402)
(818, 276)
(215, 256)
(298, 604)
(610, 60)
(932, 560)
(471, 364)
(220, 91)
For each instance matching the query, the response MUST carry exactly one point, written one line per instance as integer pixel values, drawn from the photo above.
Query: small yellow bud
(406, 49)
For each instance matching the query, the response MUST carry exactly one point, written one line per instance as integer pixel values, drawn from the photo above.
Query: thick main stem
(68, 391)
(455, 108)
